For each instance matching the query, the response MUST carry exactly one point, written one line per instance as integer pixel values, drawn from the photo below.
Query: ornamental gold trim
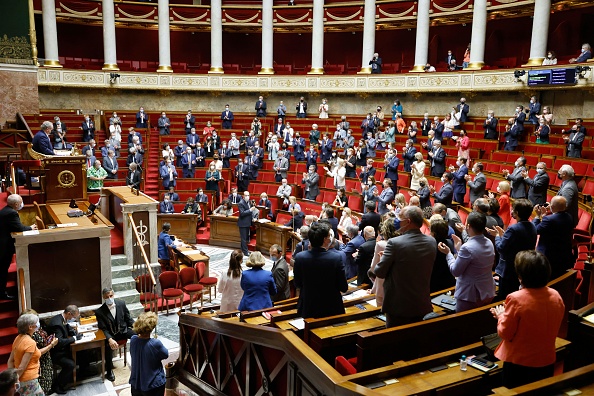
(66, 179)
(17, 49)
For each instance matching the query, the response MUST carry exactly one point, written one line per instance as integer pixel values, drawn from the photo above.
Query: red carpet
(151, 184)
(117, 241)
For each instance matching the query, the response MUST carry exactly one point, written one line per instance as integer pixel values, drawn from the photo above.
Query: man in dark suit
(141, 119)
(584, 55)
(311, 157)
(574, 142)
(280, 273)
(166, 206)
(188, 162)
(569, 190)
(311, 180)
(384, 198)
(245, 221)
(326, 146)
(319, 274)
(445, 195)
(260, 107)
(200, 156)
(163, 124)
(41, 140)
(192, 140)
(555, 230)
(520, 118)
(408, 154)
(437, 156)
(227, 117)
(463, 109)
(367, 171)
(9, 222)
(450, 57)
(391, 165)
(61, 354)
(134, 177)
(110, 164)
(259, 152)
(114, 319)
(459, 175)
(518, 185)
(490, 126)
(131, 135)
(406, 266)
(242, 176)
(301, 108)
(59, 134)
(134, 157)
(476, 186)
(376, 64)
(534, 110)
(355, 240)
(88, 128)
(371, 217)
(179, 151)
(537, 192)
(365, 256)
(253, 164)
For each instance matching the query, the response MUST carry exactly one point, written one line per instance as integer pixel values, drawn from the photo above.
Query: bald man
(555, 226)
(9, 222)
(365, 256)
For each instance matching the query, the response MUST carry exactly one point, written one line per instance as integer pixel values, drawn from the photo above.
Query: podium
(65, 178)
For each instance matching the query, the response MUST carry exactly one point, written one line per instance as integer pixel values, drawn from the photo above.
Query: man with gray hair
(311, 181)
(41, 141)
(406, 266)
(365, 255)
(569, 190)
(355, 241)
(114, 319)
(9, 223)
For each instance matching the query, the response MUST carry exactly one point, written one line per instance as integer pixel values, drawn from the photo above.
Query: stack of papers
(86, 337)
(356, 294)
(298, 323)
(66, 225)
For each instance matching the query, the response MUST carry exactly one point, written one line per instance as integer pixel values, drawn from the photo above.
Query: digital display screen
(565, 76)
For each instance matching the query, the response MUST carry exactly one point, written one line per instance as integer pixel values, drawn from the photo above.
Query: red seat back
(168, 280)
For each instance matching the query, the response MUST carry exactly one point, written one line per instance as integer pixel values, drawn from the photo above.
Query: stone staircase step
(135, 309)
(118, 259)
(121, 271)
(121, 284)
(129, 296)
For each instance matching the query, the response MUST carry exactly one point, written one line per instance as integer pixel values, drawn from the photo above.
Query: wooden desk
(98, 342)
(59, 213)
(189, 255)
(183, 226)
(269, 233)
(331, 336)
(224, 231)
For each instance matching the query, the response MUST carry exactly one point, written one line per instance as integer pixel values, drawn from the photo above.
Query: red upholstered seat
(209, 280)
(189, 284)
(173, 293)
(192, 288)
(343, 366)
(169, 281)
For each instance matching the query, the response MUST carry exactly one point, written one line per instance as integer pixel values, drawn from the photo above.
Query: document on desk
(32, 232)
(298, 323)
(190, 252)
(87, 328)
(263, 221)
(589, 318)
(86, 338)
(63, 225)
(356, 294)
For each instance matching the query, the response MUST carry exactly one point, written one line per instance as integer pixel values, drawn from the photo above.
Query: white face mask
(540, 171)
(109, 301)
(21, 205)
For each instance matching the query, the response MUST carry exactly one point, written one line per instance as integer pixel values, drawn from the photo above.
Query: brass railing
(145, 288)
(21, 122)
(22, 292)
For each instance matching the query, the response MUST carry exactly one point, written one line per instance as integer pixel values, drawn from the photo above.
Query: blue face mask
(110, 301)
(397, 223)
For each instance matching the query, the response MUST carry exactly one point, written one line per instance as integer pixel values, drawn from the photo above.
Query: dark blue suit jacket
(245, 214)
(555, 232)
(319, 273)
(409, 158)
(42, 144)
(258, 285)
(445, 195)
(459, 181)
(517, 237)
(392, 168)
(512, 136)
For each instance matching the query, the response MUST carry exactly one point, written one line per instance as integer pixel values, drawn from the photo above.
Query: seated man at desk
(41, 141)
(60, 325)
(165, 240)
(114, 319)
(166, 206)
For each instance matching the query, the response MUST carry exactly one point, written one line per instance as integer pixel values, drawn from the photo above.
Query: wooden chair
(190, 285)
(38, 209)
(40, 224)
(169, 281)
(206, 281)
(174, 260)
(123, 344)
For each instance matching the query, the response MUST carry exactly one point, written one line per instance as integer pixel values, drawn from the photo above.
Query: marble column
(540, 32)
(422, 41)
(50, 33)
(317, 38)
(368, 36)
(216, 37)
(267, 38)
(109, 38)
(164, 41)
(479, 34)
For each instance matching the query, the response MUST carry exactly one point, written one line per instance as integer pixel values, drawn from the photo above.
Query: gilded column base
(266, 70)
(110, 67)
(164, 69)
(316, 70)
(364, 70)
(417, 69)
(475, 66)
(52, 63)
(216, 70)
(534, 62)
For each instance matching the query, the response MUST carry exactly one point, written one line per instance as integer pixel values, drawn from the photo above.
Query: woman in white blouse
(273, 148)
(345, 220)
(324, 109)
(230, 283)
(417, 170)
(338, 174)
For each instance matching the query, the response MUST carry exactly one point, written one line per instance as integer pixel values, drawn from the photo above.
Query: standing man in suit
(391, 165)
(490, 126)
(88, 128)
(406, 266)
(200, 156)
(59, 325)
(246, 212)
(41, 141)
(281, 166)
(179, 151)
(463, 109)
(365, 255)
(555, 229)
(9, 222)
(512, 135)
(520, 118)
(110, 164)
(280, 273)
(537, 192)
(168, 174)
(141, 119)
(445, 195)
(477, 185)
(408, 154)
(311, 157)
(134, 177)
(311, 180)
(376, 64)
(534, 110)
(569, 190)
(114, 319)
(518, 185)
(385, 198)
(188, 162)
(189, 122)
(437, 156)
(451, 57)
(326, 147)
(227, 117)
(192, 140)
(260, 107)
(301, 108)
(575, 141)
(298, 147)
(253, 165)
(319, 274)
(242, 176)
(163, 124)
(59, 134)
(459, 185)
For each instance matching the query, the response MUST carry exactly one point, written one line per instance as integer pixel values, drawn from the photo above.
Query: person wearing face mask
(575, 139)
(301, 108)
(551, 59)
(376, 64)
(367, 125)
(319, 274)
(537, 192)
(446, 192)
(534, 110)
(141, 119)
(490, 126)
(280, 273)
(478, 184)
(227, 117)
(323, 109)
(569, 190)
(114, 319)
(450, 57)
(408, 154)
(384, 198)
(520, 118)
(518, 185)
(459, 175)
(9, 382)
(179, 152)
(25, 355)
(542, 131)
(164, 124)
(584, 55)
(166, 206)
(9, 223)
(168, 174)
(88, 128)
(244, 222)
(512, 134)
(463, 109)
(311, 180)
